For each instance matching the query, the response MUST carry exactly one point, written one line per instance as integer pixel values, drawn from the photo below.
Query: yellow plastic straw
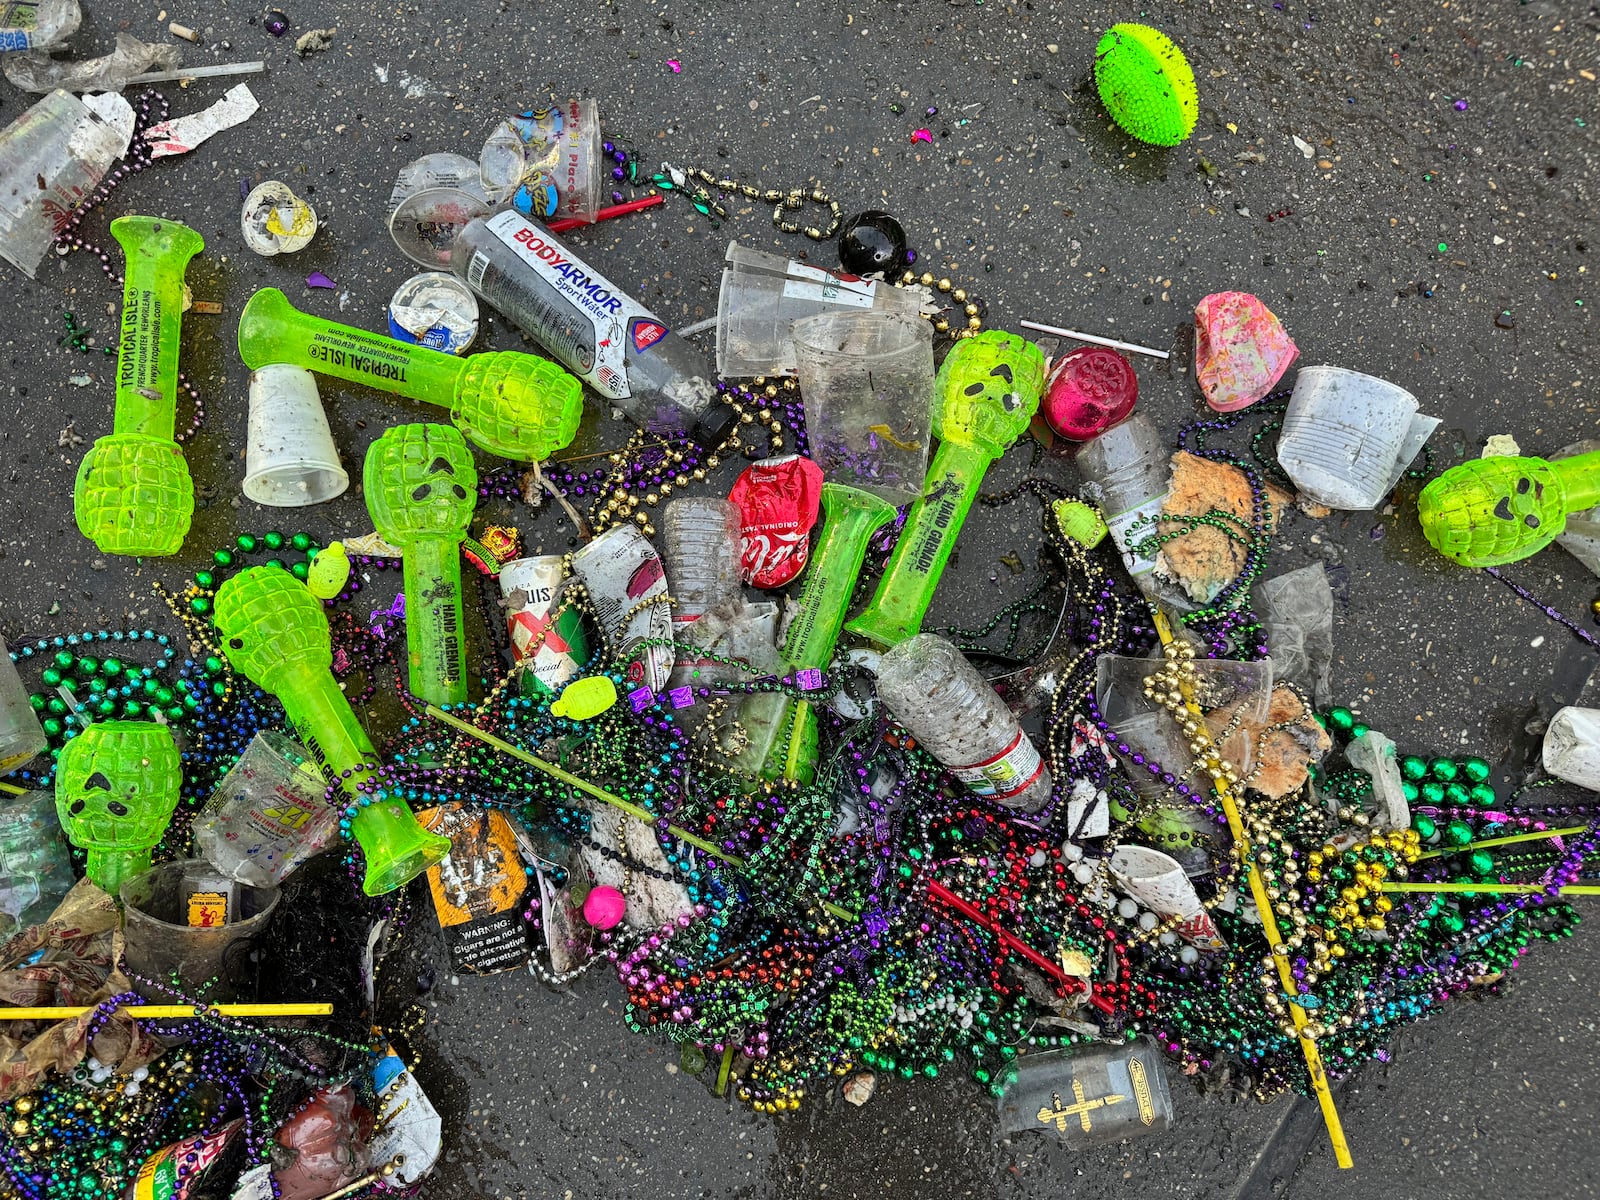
(152, 1012)
(1269, 929)
(1505, 841)
(1495, 889)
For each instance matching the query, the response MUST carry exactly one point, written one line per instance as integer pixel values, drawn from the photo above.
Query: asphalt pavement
(1434, 230)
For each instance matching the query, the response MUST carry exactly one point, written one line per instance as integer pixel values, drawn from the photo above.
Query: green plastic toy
(133, 494)
(1146, 84)
(519, 406)
(986, 393)
(117, 784)
(275, 632)
(421, 488)
(1498, 510)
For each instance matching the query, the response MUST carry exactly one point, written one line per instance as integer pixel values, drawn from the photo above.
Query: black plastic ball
(871, 243)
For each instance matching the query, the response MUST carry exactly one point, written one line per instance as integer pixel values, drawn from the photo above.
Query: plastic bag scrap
(37, 71)
(1297, 610)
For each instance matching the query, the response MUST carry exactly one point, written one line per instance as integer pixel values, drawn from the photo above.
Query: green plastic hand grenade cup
(421, 488)
(275, 633)
(985, 395)
(133, 493)
(117, 783)
(1497, 510)
(519, 406)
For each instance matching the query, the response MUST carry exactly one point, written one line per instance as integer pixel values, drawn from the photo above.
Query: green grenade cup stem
(421, 488)
(1497, 510)
(518, 406)
(986, 394)
(275, 633)
(133, 494)
(117, 783)
(850, 518)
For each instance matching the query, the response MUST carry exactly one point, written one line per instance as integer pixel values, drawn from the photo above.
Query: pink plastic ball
(603, 907)
(1090, 389)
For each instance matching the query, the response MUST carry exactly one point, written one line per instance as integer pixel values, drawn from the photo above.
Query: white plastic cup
(290, 459)
(1348, 437)
(763, 295)
(51, 158)
(1157, 881)
(1571, 748)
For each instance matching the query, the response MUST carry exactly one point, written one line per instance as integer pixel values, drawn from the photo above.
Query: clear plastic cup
(425, 223)
(21, 735)
(275, 221)
(700, 543)
(763, 295)
(290, 459)
(867, 382)
(1348, 437)
(442, 170)
(163, 934)
(268, 815)
(35, 861)
(51, 158)
(545, 162)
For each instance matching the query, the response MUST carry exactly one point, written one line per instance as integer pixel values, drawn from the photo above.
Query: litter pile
(814, 840)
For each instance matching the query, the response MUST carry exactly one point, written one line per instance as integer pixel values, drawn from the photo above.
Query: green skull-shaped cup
(275, 632)
(421, 488)
(116, 786)
(1496, 510)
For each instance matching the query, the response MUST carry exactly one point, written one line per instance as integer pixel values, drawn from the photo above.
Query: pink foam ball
(604, 906)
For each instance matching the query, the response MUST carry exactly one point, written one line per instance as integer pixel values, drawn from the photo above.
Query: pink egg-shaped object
(603, 907)
(1089, 390)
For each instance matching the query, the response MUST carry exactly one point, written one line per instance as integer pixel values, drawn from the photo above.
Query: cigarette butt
(208, 308)
(183, 31)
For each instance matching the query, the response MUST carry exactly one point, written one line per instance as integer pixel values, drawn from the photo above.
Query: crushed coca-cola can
(778, 500)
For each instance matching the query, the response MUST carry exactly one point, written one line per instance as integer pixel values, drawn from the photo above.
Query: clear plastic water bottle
(1129, 470)
(944, 703)
(700, 543)
(591, 326)
(35, 863)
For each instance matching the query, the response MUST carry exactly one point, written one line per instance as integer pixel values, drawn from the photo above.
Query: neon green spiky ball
(1146, 84)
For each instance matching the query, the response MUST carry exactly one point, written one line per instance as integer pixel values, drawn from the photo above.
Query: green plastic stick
(1497, 510)
(519, 406)
(986, 393)
(133, 493)
(275, 633)
(421, 488)
(117, 784)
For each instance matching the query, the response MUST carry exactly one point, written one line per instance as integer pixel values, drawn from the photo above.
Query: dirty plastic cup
(441, 170)
(290, 459)
(268, 815)
(435, 310)
(763, 295)
(425, 224)
(21, 735)
(275, 221)
(545, 162)
(1348, 437)
(867, 382)
(162, 914)
(1157, 881)
(51, 158)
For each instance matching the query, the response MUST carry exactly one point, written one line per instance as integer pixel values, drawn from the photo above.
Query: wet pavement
(1435, 234)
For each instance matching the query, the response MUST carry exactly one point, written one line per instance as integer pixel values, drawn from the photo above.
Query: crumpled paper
(1240, 350)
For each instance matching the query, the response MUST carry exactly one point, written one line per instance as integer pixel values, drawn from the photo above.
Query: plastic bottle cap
(717, 425)
(585, 698)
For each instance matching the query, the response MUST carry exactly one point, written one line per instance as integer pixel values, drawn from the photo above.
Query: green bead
(1409, 790)
(200, 605)
(1360, 729)
(1482, 795)
(1477, 769)
(1456, 793)
(65, 659)
(275, 562)
(1482, 862)
(1413, 767)
(1458, 833)
(301, 541)
(1442, 769)
(223, 558)
(274, 540)
(1425, 826)
(52, 726)
(111, 666)
(37, 701)
(1454, 921)
(213, 664)
(248, 542)
(300, 571)
(1433, 792)
(51, 677)
(204, 579)
(88, 666)
(1341, 719)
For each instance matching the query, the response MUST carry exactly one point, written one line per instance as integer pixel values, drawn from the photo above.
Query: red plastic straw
(605, 214)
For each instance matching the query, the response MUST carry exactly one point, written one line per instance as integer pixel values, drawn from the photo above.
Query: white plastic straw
(1130, 347)
(244, 68)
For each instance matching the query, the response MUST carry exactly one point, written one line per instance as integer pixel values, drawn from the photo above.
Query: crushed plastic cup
(1571, 749)
(436, 310)
(545, 162)
(867, 380)
(1347, 437)
(425, 224)
(290, 459)
(763, 295)
(35, 861)
(276, 221)
(21, 735)
(51, 158)
(442, 170)
(1157, 881)
(184, 918)
(268, 815)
